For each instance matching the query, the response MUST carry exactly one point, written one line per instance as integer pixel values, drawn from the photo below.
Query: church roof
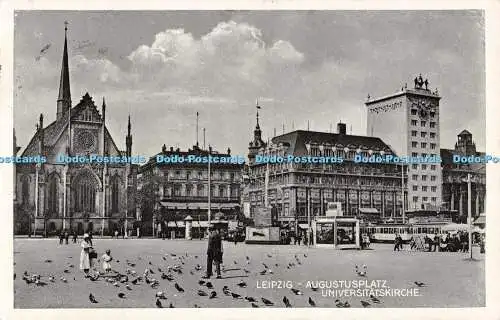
(297, 141)
(465, 133)
(54, 130)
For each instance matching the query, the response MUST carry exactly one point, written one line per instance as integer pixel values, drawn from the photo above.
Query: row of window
(423, 166)
(424, 199)
(423, 155)
(432, 124)
(423, 134)
(199, 175)
(425, 188)
(414, 177)
(201, 191)
(414, 144)
(414, 112)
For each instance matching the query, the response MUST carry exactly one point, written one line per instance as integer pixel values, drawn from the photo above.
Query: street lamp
(469, 211)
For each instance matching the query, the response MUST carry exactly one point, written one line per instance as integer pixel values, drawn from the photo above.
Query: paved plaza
(449, 279)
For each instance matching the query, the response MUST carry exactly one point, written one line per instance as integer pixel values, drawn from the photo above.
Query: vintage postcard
(271, 156)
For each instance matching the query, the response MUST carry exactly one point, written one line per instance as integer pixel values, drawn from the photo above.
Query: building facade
(171, 192)
(301, 189)
(455, 178)
(408, 121)
(56, 195)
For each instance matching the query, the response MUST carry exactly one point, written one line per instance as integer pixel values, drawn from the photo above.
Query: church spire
(128, 138)
(64, 98)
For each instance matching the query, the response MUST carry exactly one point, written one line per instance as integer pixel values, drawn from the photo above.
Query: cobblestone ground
(449, 279)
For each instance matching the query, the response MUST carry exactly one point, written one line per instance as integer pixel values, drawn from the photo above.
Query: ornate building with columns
(54, 195)
(455, 176)
(298, 188)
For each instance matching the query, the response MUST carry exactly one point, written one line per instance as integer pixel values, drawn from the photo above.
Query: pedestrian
(75, 236)
(214, 252)
(437, 244)
(90, 237)
(66, 236)
(85, 255)
(396, 242)
(61, 237)
(107, 258)
(116, 234)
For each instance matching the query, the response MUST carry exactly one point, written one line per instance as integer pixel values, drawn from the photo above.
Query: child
(106, 261)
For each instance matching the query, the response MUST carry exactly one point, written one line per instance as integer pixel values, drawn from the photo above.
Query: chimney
(341, 128)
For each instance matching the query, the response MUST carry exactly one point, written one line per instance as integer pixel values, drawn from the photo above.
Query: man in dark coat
(214, 253)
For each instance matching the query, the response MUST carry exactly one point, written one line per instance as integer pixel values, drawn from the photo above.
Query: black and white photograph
(257, 158)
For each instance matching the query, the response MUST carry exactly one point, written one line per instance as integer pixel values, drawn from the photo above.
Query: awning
(455, 227)
(480, 220)
(172, 224)
(195, 224)
(368, 210)
(303, 226)
(204, 224)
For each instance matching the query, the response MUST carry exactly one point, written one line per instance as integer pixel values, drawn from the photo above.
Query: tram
(387, 232)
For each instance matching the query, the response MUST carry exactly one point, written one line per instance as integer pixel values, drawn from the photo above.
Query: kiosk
(334, 230)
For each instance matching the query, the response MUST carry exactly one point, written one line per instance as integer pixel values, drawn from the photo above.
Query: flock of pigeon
(154, 275)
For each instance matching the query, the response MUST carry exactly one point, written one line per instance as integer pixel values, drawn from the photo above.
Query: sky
(315, 67)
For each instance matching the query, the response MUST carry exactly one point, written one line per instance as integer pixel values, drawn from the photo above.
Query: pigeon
(128, 287)
(201, 282)
(297, 291)
(226, 291)
(171, 305)
(269, 256)
(287, 302)
(267, 302)
(263, 272)
(311, 302)
(64, 280)
(173, 254)
(164, 258)
(250, 299)
(305, 255)
(121, 295)
(150, 263)
(191, 272)
(92, 298)
(48, 261)
(246, 271)
(374, 299)
(209, 285)
(178, 287)
(71, 266)
(235, 295)
(242, 284)
(160, 295)
(213, 294)
(254, 305)
(339, 304)
(265, 265)
(364, 304)
(198, 267)
(202, 293)
(196, 306)
(419, 284)
(235, 262)
(66, 271)
(135, 281)
(314, 288)
(52, 279)
(158, 303)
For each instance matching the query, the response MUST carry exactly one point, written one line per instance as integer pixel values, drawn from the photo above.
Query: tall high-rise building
(408, 121)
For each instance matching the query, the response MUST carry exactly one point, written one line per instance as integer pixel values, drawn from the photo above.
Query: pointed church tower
(256, 143)
(64, 98)
(128, 139)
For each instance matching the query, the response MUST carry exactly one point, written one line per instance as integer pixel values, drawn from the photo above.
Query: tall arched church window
(114, 194)
(53, 199)
(25, 189)
(85, 193)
